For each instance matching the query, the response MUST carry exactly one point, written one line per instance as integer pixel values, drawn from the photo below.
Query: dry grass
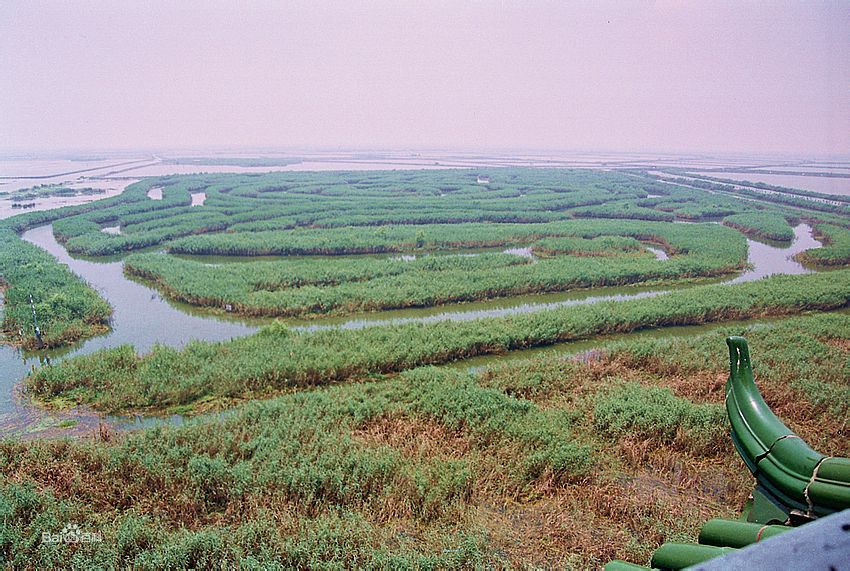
(623, 515)
(841, 344)
(828, 434)
(414, 437)
(642, 492)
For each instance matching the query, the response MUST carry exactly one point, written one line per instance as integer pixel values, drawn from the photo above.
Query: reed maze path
(350, 446)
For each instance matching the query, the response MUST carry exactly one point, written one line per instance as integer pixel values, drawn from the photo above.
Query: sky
(738, 76)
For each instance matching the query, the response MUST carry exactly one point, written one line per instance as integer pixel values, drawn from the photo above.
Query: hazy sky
(722, 76)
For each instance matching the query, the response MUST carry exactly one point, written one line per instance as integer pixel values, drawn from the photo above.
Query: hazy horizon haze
(767, 77)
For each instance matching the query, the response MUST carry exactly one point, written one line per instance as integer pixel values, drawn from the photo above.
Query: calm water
(827, 185)
(768, 259)
(143, 318)
(110, 188)
(140, 317)
(23, 173)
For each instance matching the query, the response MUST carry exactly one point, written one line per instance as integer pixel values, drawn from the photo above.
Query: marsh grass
(542, 463)
(764, 225)
(836, 249)
(66, 308)
(277, 359)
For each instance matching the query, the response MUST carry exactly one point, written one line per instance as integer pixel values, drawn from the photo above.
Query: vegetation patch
(66, 309)
(47, 191)
(836, 248)
(277, 358)
(305, 286)
(600, 246)
(764, 225)
(656, 414)
(431, 468)
(349, 448)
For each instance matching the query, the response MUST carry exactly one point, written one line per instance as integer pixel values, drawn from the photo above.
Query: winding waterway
(141, 317)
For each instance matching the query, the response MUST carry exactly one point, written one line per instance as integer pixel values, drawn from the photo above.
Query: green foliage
(623, 210)
(248, 204)
(339, 477)
(396, 471)
(136, 192)
(346, 285)
(836, 250)
(693, 204)
(532, 378)
(264, 362)
(493, 418)
(791, 352)
(762, 225)
(66, 308)
(295, 454)
(396, 238)
(599, 246)
(657, 414)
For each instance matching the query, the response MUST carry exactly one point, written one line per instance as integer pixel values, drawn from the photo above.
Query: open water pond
(110, 188)
(769, 258)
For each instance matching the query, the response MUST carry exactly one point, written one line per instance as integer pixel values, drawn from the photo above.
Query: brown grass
(413, 437)
(624, 515)
(643, 493)
(842, 345)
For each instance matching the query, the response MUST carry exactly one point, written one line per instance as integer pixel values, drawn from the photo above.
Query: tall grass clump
(836, 249)
(66, 308)
(275, 358)
(431, 468)
(766, 225)
(656, 414)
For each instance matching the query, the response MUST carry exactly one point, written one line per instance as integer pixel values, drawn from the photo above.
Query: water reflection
(767, 259)
(141, 317)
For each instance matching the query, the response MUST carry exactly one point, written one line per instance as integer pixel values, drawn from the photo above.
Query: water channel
(141, 317)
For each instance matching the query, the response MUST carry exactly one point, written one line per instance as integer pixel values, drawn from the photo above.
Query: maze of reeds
(278, 358)
(337, 213)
